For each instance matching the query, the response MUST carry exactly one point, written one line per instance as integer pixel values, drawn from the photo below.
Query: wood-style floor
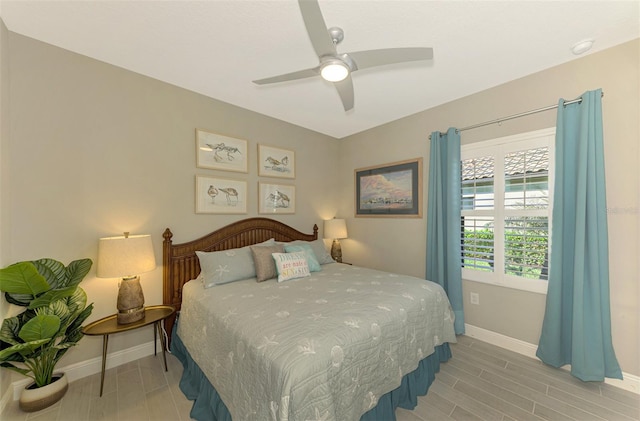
(480, 382)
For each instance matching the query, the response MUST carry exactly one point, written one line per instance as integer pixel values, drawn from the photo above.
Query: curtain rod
(511, 117)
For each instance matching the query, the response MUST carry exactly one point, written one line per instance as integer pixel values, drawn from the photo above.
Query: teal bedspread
(327, 347)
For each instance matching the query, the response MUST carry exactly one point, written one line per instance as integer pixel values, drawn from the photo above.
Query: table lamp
(335, 229)
(127, 257)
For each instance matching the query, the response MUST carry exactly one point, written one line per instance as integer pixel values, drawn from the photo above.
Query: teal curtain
(577, 323)
(443, 220)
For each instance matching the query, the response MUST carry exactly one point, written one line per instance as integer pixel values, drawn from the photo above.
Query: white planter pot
(35, 399)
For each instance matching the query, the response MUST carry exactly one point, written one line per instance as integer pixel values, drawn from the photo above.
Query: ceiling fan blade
(300, 74)
(382, 57)
(345, 90)
(317, 29)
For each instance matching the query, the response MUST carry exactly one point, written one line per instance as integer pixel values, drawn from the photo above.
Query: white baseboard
(86, 368)
(630, 382)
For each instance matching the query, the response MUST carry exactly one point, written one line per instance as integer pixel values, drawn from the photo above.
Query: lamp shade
(125, 256)
(335, 228)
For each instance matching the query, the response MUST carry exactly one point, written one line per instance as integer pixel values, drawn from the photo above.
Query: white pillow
(291, 265)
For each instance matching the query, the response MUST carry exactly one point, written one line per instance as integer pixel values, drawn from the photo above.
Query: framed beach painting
(276, 198)
(276, 162)
(390, 190)
(219, 152)
(220, 195)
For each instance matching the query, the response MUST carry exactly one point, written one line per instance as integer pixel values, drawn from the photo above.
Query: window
(506, 210)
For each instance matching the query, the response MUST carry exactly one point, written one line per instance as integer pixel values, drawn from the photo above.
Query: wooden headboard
(181, 263)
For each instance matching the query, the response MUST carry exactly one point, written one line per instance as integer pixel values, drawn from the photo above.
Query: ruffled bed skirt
(208, 405)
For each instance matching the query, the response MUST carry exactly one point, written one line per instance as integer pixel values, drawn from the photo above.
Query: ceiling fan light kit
(337, 68)
(334, 70)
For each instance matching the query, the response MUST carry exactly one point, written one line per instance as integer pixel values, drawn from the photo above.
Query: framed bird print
(219, 152)
(276, 162)
(220, 195)
(276, 198)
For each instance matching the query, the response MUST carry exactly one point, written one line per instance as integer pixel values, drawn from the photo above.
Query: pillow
(291, 265)
(263, 261)
(312, 261)
(319, 250)
(221, 267)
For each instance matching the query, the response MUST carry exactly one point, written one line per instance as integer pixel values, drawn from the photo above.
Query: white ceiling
(217, 47)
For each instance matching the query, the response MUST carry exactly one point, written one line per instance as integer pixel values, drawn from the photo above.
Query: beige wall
(399, 244)
(5, 375)
(97, 150)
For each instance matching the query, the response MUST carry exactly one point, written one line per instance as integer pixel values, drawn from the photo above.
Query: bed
(341, 343)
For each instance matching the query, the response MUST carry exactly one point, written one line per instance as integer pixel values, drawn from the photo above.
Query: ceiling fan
(335, 67)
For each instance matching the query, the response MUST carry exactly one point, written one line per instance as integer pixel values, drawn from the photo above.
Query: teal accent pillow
(312, 260)
(320, 251)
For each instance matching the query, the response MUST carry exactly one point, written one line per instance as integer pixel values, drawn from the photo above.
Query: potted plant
(33, 342)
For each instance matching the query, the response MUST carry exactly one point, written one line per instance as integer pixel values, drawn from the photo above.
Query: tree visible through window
(506, 209)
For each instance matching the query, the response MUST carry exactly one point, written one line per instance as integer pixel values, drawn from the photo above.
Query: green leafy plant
(56, 307)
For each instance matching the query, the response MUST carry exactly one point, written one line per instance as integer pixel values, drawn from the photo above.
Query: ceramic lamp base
(130, 301)
(336, 251)
(131, 316)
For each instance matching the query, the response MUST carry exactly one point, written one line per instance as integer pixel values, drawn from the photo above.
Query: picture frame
(276, 198)
(220, 195)
(390, 190)
(276, 162)
(218, 152)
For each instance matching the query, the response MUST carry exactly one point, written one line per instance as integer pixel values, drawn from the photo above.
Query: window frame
(499, 148)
